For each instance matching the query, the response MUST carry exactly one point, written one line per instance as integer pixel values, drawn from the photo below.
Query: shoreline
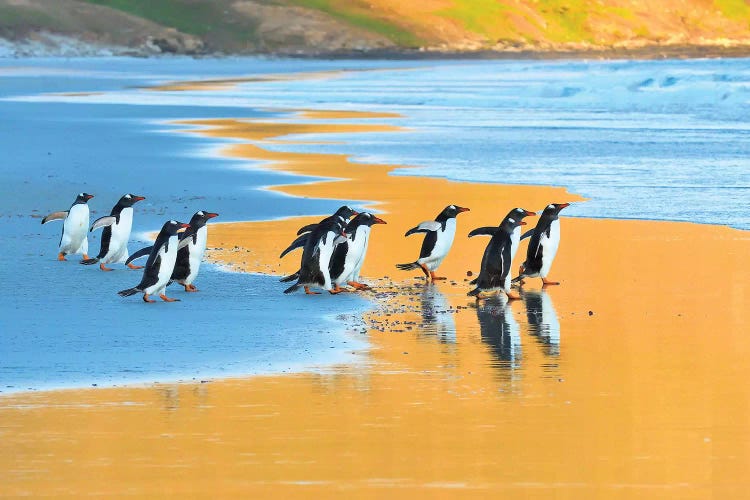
(629, 364)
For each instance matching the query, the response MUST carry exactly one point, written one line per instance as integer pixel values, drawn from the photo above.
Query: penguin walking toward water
(349, 252)
(316, 257)
(190, 250)
(496, 262)
(545, 240)
(160, 265)
(117, 226)
(73, 239)
(515, 237)
(437, 242)
(342, 215)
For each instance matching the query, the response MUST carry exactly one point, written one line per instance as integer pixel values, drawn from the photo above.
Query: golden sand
(642, 396)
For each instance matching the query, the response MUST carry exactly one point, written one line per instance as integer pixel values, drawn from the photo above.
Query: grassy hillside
(319, 26)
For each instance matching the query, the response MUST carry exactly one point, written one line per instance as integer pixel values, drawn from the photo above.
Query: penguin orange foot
(546, 282)
(308, 292)
(146, 299)
(85, 257)
(437, 278)
(190, 288)
(61, 257)
(513, 296)
(133, 266)
(104, 268)
(358, 286)
(167, 299)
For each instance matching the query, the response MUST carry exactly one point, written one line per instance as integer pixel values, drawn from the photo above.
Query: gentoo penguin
(316, 257)
(190, 251)
(73, 239)
(437, 241)
(515, 237)
(495, 272)
(117, 226)
(349, 251)
(342, 215)
(160, 264)
(545, 239)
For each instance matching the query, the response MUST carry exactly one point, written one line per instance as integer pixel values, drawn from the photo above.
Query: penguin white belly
(361, 261)
(75, 230)
(195, 254)
(326, 250)
(118, 243)
(515, 241)
(549, 247)
(442, 246)
(168, 259)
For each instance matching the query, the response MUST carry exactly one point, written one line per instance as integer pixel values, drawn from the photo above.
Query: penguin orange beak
(89, 196)
(211, 215)
(462, 209)
(139, 198)
(378, 220)
(529, 214)
(560, 206)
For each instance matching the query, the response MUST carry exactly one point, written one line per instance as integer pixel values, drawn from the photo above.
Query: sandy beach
(612, 385)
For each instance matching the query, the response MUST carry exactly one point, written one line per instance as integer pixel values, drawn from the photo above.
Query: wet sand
(624, 382)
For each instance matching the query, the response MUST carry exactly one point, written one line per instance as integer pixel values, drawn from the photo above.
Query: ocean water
(650, 140)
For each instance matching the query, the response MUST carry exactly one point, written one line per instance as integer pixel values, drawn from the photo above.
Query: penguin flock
(175, 256)
(334, 249)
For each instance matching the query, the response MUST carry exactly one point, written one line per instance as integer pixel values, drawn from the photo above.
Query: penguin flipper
(484, 231)
(55, 216)
(527, 234)
(307, 228)
(424, 227)
(128, 292)
(140, 253)
(292, 288)
(474, 281)
(299, 242)
(107, 220)
(291, 277)
(474, 292)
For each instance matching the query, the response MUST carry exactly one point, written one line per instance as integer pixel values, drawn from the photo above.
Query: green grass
(195, 18)
(360, 16)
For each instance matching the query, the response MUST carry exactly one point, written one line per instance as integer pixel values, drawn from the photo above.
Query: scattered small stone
(469, 274)
(591, 313)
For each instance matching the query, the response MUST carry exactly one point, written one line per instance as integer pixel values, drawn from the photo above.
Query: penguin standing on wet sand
(117, 226)
(342, 215)
(190, 251)
(496, 262)
(545, 240)
(160, 265)
(437, 242)
(316, 257)
(349, 253)
(75, 227)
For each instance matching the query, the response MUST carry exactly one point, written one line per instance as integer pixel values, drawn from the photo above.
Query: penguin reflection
(437, 319)
(543, 322)
(500, 330)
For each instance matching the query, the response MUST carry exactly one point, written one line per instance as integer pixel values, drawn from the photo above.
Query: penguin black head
(83, 198)
(172, 227)
(345, 212)
(519, 213)
(200, 218)
(449, 212)
(510, 223)
(129, 200)
(363, 219)
(553, 209)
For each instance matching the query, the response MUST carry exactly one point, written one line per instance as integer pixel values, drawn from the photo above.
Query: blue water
(652, 140)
